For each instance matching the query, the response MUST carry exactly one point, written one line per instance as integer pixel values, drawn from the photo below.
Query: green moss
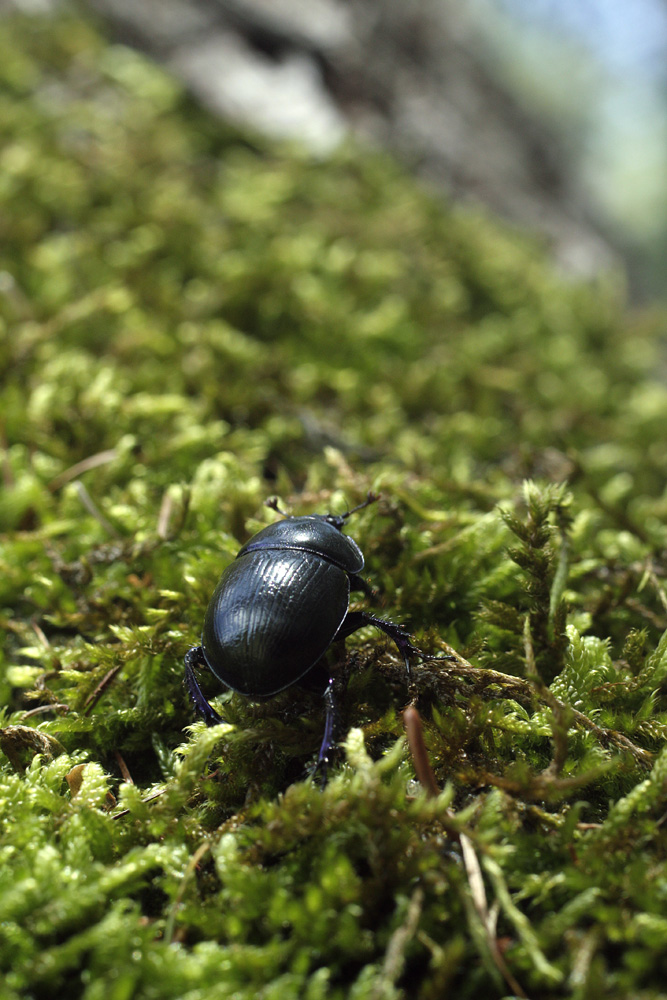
(192, 320)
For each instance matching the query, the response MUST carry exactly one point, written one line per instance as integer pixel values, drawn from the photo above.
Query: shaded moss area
(192, 321)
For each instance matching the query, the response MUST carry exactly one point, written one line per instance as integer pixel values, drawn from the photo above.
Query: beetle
(279, 606)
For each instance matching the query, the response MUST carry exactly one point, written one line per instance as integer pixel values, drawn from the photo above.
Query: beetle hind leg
(195, 658)
(331, 719)
(354, 620)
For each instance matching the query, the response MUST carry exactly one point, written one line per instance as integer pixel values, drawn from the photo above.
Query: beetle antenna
(272, 502)
(371, 498)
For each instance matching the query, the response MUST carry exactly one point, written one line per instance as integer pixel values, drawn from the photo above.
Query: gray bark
(400, 74)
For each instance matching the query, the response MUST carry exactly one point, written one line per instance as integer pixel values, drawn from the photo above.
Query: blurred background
(553, 113)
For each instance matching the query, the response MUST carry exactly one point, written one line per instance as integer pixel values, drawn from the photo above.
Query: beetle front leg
(195, 658)
(354, 620)
(358, 583)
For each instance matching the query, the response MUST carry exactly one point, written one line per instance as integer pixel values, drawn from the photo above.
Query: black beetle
(279, 606)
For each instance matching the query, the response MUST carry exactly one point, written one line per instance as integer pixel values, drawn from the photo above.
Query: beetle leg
(358, 583)
(330, 722)
(354, 620)
(195, 658)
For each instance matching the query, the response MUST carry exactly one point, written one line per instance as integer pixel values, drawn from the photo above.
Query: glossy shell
(314, 534)
(279, 605)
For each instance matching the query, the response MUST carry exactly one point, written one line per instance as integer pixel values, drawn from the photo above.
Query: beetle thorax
(316, 534)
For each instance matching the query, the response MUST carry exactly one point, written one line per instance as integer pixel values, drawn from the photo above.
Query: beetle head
(335, 520)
